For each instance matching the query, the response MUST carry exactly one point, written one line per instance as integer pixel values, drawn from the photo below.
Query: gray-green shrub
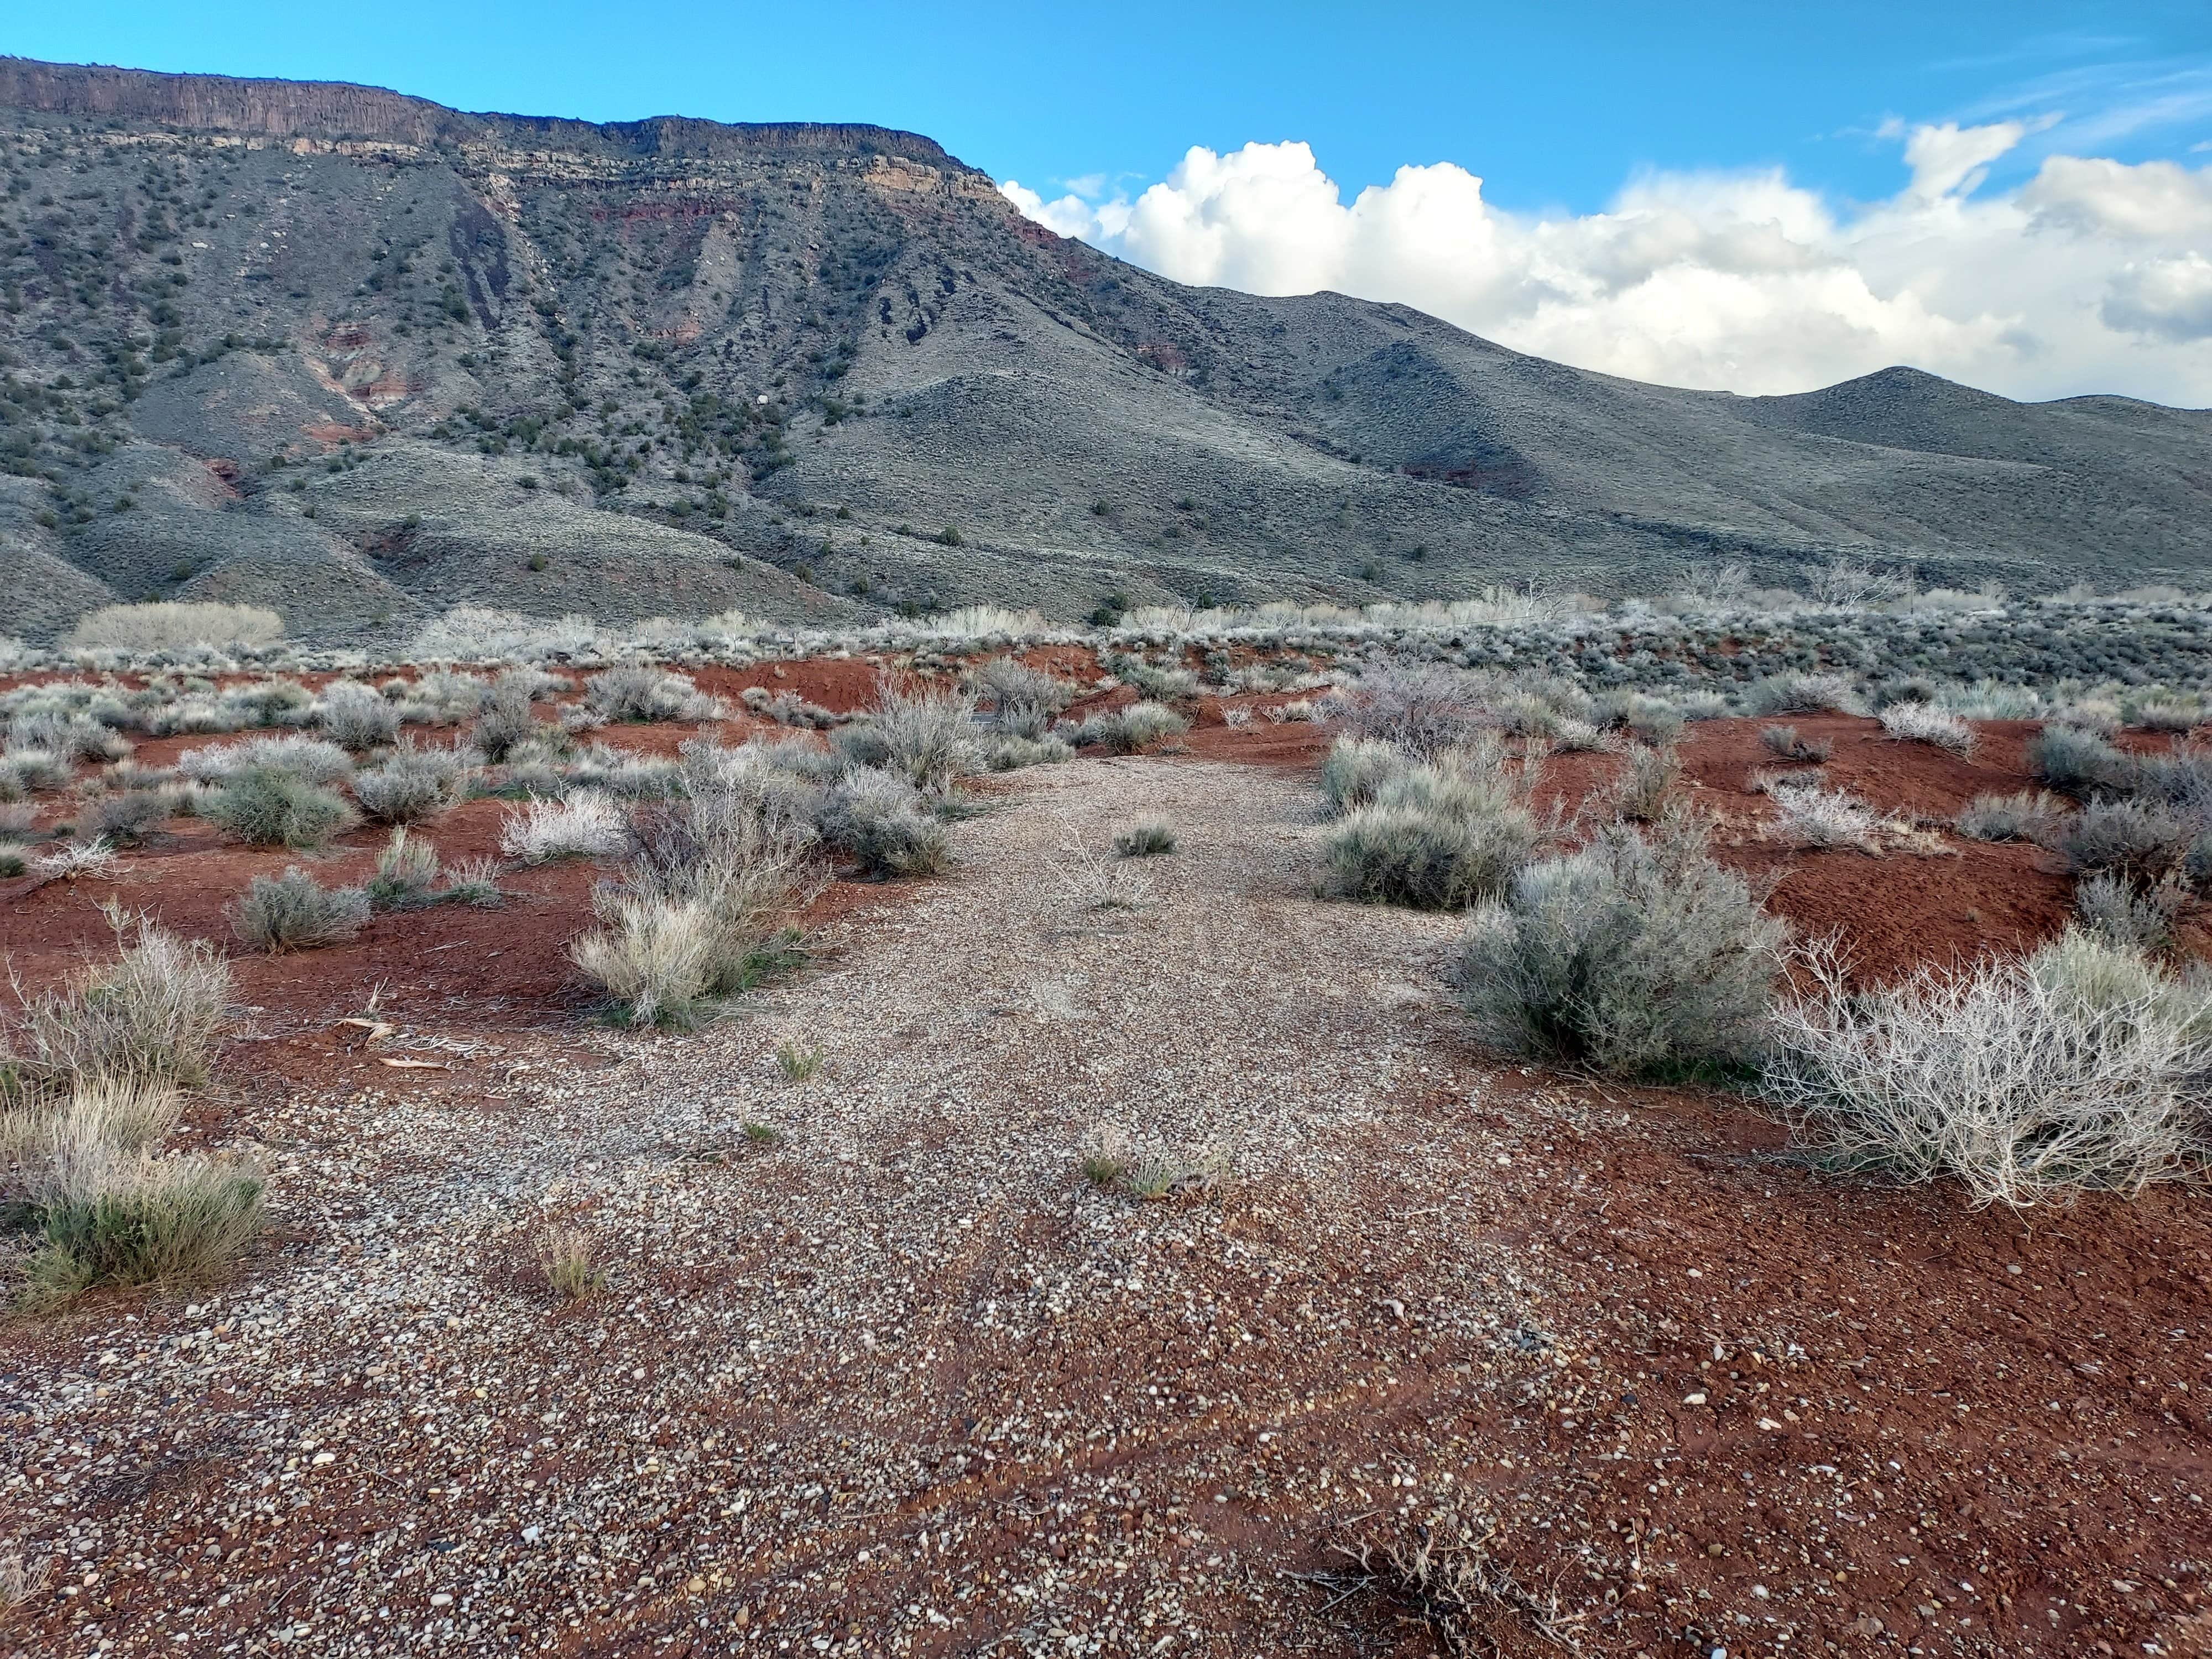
(886, 824)
(2025, 815)
(293, 912)
(355, 717)
(269, 806)
(1634, 955)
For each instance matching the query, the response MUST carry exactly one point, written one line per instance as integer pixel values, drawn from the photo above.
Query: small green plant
(763, 1134)
(475, 883)
(569, 1259)
(798, 1062)
(1147, 839)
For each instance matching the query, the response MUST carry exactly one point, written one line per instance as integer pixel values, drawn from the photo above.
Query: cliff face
(361, 357)
(337, 111)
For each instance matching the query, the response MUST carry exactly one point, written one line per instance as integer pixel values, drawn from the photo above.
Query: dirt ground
(902, 1381)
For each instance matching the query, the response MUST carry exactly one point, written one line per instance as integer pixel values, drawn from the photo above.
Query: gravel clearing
(899, 1378)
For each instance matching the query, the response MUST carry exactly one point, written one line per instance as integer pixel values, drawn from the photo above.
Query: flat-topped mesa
(336, 111)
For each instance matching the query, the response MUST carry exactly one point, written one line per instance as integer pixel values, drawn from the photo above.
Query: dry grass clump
(407, 872)
(2082, 1068)
(798, 1062)
(587, 824)
(1002, 752)
(76, 861)
(1021, 701)
(2026, 815)
(270, 806)
(699, 914)
(1130, 730)
(568, 1258)
(109, 1215)
(1801, 693)
(1923, 722)
(293, 912)
(1645, 791)
(1147, 1171)
(928, 734)
(1783, 743)
(1635, 955)
(150, 1015)
(1447, 1580)
(355, 717)
(90, 1072)
(170, 625)
(1355, 767)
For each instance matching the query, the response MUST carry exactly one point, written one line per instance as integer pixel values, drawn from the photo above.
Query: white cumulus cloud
(2094, 276)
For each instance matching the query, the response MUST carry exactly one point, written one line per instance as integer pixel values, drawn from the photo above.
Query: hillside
(362, 357)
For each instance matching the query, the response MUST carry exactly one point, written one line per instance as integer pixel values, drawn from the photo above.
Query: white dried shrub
(313, 759)
(170, 625)
(584, 824)
(1923, 722)
(1423, 711)
(1808, 816)
(929, 734)
(2081, 1068)
(2025, 815)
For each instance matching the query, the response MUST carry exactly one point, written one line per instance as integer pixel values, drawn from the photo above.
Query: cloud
(2092, 276)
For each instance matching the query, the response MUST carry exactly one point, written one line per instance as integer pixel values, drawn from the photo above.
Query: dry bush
(507, 720)
(1423, 711)
(1003, 752)
(587, 824)
(2121, 913)
(2026, 815)
(886, 824)
(150, 1015)
(311, 758)
(928, 735)
(126, 819)
(75, 860)
(1923, 722)
(1809, 816)
(170, 625)
(292, 912)
(269, 806)
(2082, 1068)
(1634, 955)
(413, 784)
(355, 717)
(2077, 762)
(798, 1062)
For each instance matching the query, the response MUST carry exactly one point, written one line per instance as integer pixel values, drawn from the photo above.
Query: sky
(1749, 196)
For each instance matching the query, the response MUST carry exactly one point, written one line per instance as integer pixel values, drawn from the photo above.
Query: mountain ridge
(360, 356)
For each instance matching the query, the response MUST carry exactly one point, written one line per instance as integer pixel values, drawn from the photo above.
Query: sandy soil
(905, 1382)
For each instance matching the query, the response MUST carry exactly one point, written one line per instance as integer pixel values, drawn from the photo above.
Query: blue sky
(1555, 106)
